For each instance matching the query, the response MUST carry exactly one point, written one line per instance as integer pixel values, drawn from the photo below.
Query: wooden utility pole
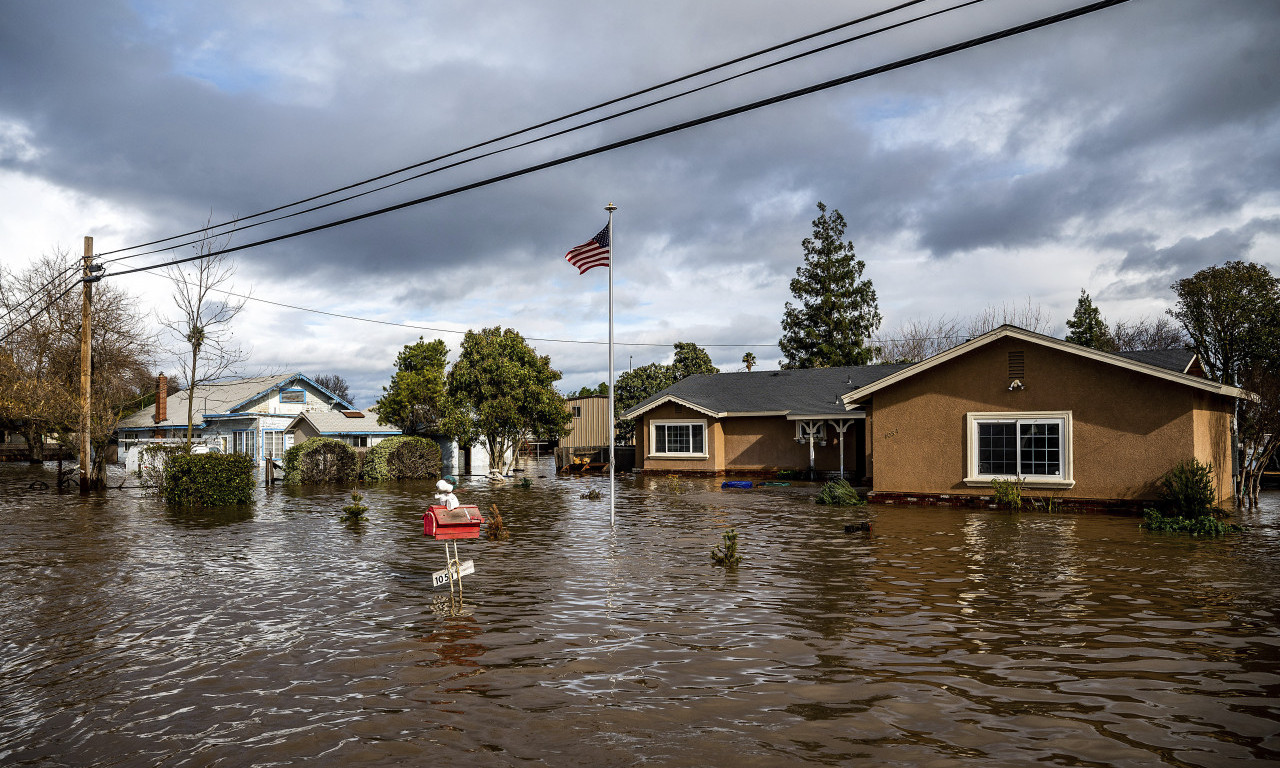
(85, 366)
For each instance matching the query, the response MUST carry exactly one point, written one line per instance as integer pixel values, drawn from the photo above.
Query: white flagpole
(610, 431)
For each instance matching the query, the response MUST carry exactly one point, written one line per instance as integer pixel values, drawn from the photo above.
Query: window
(272, 444)
(244, 442)
(293, 395)
(678, 438)
(1033, 446)
(577, 411)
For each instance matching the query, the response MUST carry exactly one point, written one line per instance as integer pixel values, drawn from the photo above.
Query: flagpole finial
(611, 207)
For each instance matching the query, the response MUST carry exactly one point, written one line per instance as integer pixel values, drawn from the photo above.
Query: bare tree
(915, 340)
(1147, 333)
(40, 366)
(335, 384)
(202, 323)
(1031, 317)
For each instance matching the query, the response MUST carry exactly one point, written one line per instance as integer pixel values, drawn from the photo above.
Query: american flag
(591, 254)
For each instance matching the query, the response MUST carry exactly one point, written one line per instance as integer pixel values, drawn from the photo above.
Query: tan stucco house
(1086, 427)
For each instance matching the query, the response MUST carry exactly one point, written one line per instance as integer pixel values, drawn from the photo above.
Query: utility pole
(85, 364)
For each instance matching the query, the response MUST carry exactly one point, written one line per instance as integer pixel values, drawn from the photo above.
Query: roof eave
(855, 397)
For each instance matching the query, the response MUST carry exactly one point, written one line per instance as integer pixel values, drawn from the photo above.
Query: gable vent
(1017, 365)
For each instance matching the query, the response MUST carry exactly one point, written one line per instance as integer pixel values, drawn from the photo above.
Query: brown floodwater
(280, 635)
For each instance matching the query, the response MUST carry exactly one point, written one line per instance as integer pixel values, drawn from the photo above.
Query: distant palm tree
(749, 360)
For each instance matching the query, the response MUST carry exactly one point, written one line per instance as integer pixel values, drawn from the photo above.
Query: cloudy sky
(1116, 153)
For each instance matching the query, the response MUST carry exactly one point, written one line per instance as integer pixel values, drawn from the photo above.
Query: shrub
(1008, 492)
(208, 480)
(320, 460)
(496, 530)
(402, 458)
(839, 493)
(152, 460)
(354, 512)
(727, 555)
(1201, 525)
(1187, 490)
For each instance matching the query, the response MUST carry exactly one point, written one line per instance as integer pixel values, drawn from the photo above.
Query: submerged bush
(1201, 525)
(402, 458)
(320, 460)
(727, 555)
(1008, 492)
(208, 480)
(152, 460)
(839, 493)
(1187, 490)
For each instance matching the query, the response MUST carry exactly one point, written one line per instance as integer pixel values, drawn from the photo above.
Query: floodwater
(279, 635)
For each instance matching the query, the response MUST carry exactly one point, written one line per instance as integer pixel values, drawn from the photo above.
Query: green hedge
(208, 480)
(320, 460)
(402, 458)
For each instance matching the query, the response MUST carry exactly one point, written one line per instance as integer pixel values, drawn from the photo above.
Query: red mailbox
(462, 522)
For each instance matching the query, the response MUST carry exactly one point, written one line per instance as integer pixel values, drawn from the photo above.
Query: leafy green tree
(837, 312)
(501, 389)
(417, 400)
(639, 384)
(691, 359)
(601, 390)
(1232, 314)
(1087, 327)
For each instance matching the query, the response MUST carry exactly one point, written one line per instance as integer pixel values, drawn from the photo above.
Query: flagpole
(612, 432)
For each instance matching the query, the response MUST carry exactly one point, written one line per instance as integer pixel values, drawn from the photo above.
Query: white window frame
(267, 439)
(653, 425)
(1065, 447)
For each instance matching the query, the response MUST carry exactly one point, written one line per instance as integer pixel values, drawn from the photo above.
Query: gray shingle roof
(1171, 359)
(336, 422)
(809, 391)
(210, 398)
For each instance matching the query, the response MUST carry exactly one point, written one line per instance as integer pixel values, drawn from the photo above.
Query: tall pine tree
(837, 312)
(1087, 327)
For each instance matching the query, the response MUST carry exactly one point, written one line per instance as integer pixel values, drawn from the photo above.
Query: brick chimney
(162, 398)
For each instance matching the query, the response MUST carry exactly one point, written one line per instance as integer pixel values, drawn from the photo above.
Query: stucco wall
(714, 462)
(1128, 428)
(747, 444)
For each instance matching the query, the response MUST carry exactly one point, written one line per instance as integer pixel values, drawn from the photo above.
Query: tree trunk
(35, 446)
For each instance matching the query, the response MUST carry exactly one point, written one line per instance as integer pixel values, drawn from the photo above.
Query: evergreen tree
(417, 399)
(837, 312)
(1087, 327)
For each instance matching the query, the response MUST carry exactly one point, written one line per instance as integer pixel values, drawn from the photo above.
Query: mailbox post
(449, 525)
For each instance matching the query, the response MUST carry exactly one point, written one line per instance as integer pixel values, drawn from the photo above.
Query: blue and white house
(249, 416)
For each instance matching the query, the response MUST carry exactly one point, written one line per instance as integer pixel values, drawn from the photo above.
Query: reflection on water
(137, 636)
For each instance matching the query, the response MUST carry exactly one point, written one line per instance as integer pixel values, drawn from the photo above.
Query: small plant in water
(727, 554)
(496, 530)
(526, 482)
(1202, 525)
(1187, 490)
(1008, 492)
(593, 494)
(839, 493)
(355, 510)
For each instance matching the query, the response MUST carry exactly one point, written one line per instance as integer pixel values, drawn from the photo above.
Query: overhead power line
(523, 131)
(547, 137)
(808, 90)
(451, 330)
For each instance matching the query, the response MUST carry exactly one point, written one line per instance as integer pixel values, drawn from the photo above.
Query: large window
(678, 438)
(1033, 446)
(244, 442)
(272, 444)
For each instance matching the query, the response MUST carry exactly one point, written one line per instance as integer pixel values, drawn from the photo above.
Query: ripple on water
(278, 634)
